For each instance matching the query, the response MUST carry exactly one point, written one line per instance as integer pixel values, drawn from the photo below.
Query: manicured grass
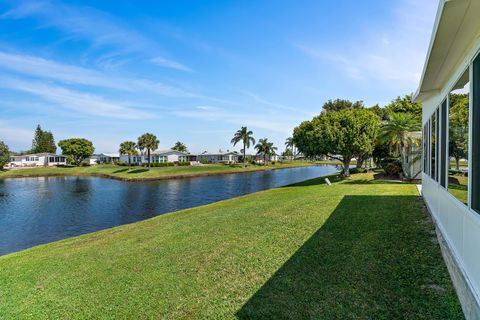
(359, 249)
(458, 186)
(139, 173)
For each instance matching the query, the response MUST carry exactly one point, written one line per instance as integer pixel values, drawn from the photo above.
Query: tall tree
(405, 105)
(43, 141)
(130, 149)
(340, 135)
(289, 144)
(246, 137)
(397, 131)
(77, 148)
(4, 155)
(149, 142)
(382, 113)
(458, 127)
(179, 146)
(341, 104)
(265, 149)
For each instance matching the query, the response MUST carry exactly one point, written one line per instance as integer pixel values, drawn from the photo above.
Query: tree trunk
(244, 157)
(346, 167)
(359, 162)
(457, 164)
(129, 162)
(148, 154)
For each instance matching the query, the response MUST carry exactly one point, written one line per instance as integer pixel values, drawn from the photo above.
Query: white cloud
(96, 26)
(394, 55)
(161, 61)
(84, 103)
(278, 124)
(14, 135)
(43, 68)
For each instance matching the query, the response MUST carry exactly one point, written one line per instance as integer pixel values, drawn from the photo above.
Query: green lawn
(458, 186)
(138, 173)
(359, 249)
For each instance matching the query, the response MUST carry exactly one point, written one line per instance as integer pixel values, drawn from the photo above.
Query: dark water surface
(41, 210)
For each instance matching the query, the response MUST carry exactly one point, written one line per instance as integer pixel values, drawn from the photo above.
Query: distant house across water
(158, 156)
(37, 160)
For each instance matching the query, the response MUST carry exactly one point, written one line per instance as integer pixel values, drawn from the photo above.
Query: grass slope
(355, 250)
(137, 173)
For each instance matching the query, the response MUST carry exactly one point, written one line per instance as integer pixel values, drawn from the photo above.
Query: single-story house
(449, 91)
(219, 157)
(158, 156)
(37, 160)
(104, 158)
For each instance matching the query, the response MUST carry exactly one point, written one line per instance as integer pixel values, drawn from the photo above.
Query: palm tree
(397, 131)
(128, 148)
(149, 142)
(246, 137)
(289, 144)
(179, 146)
(265, 148)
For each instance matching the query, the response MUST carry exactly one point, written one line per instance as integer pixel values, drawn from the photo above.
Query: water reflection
(40, 210)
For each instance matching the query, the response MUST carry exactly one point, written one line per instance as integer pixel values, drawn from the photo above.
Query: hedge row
(157, 164)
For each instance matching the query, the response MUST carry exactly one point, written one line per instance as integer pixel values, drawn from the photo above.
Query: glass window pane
(433, 141)
(458, 121)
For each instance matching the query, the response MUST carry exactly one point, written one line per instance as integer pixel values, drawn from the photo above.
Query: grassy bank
(357, 249)
(138, 173)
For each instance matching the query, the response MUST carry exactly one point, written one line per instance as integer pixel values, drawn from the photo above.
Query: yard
(355, 250)
(140, 173)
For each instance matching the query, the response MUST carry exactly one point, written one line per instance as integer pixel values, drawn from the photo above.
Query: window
(433, 142)
(475, 201)
(458, 122)
(425, 148)
(443, 143)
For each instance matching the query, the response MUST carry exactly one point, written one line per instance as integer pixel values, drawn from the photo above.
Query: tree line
(346, 130)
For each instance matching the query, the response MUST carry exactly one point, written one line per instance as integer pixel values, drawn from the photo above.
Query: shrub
(183, 163)
(358, 170)
(393, 169)
(84, 164)
(204, 161)
(159, 164)
(457, 173)
(122, 164)
(386, 161)
(273, 162)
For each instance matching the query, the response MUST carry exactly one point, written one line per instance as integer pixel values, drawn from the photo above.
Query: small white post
(328, 181)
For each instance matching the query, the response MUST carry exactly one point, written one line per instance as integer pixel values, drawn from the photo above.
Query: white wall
(459, 224)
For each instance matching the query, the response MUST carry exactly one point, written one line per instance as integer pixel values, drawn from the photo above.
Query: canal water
(40, 210)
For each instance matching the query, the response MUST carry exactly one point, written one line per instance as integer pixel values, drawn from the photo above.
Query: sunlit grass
(353, 250)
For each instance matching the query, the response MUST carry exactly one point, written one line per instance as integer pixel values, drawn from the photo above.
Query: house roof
(39, 154)
(169, 151)
(111, 155)
(456, 27)
(205, 153)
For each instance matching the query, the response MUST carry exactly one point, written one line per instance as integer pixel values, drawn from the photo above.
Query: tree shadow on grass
(316, 181)
(139, 170)
(373, 258)
(120, 170)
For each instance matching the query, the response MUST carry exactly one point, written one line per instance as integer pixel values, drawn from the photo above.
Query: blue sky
(196, 71)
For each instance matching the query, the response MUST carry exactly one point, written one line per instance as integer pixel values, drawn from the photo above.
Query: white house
(158, 156)
(449, 87)
(37, 160)
(104, 158)
(219, 157)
